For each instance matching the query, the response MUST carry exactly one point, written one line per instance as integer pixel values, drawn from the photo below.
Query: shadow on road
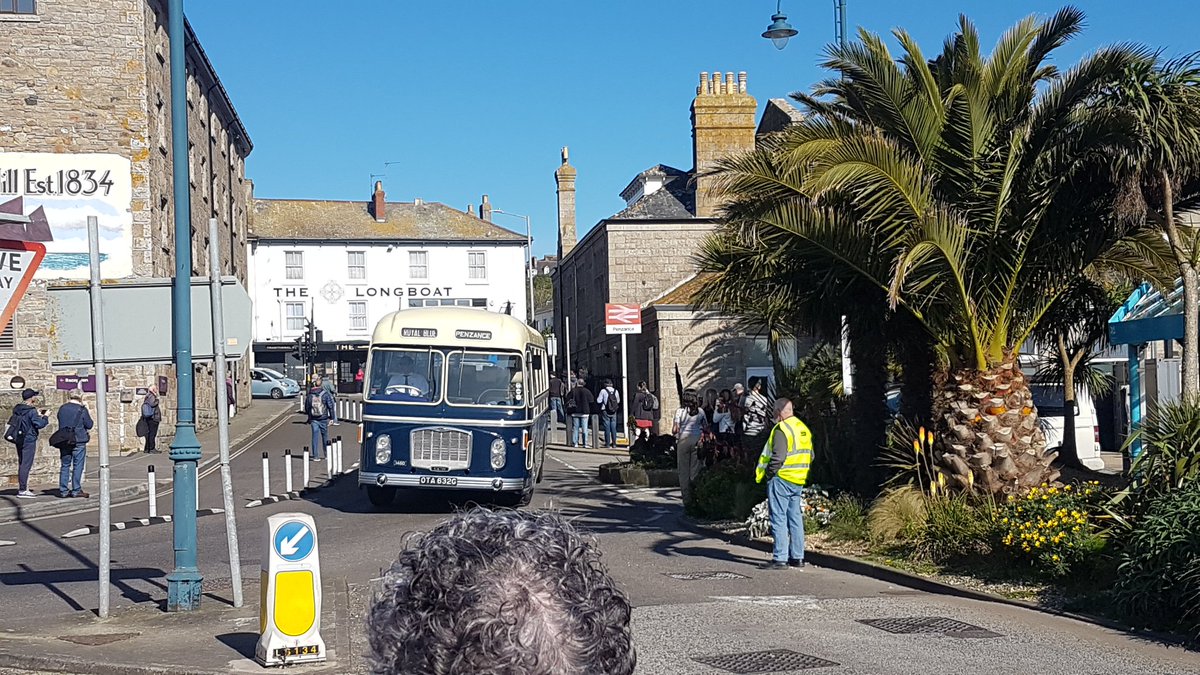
(242, 643)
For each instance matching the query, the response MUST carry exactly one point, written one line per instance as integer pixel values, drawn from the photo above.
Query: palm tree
(1164, 99)
(971, 192)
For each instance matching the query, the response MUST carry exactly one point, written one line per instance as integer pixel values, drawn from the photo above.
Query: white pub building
(344, 265)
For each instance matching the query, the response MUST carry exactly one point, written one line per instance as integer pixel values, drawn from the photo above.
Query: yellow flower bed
(1050, 526)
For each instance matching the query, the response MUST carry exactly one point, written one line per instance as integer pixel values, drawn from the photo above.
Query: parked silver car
(267, 382)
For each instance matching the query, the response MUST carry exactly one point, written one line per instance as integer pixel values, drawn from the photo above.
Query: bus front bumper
(460, 482)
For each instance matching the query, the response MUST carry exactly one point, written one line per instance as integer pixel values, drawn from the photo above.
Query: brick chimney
(722, 125)
(485, 209)
(378, 205)
(564, 178)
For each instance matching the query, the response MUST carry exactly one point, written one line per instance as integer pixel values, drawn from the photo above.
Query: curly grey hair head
(500, 592)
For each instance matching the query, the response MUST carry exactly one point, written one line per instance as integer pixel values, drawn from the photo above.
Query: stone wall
(92, 76)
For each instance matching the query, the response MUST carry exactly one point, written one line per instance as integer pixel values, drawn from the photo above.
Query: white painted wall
(326, 290)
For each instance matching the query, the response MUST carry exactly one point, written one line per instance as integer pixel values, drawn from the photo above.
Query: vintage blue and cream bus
(454, 398)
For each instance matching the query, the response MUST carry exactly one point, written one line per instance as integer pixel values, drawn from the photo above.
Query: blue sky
(476, 97)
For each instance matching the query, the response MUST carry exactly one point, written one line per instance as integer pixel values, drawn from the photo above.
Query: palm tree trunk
(918, 360)
(868, 403)
(1069, 451)
(990, 440)
(1191, 291)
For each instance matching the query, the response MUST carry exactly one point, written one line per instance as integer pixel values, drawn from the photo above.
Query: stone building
(88, 94)
(644, 255)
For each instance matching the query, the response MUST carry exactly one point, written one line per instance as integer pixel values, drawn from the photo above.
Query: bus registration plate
(438, 480)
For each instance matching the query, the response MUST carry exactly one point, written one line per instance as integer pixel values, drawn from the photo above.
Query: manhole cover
(695, 576)
(908, 625)
(770, 661)
(97, 639)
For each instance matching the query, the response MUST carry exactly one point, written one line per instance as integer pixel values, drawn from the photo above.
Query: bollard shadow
(242, 643)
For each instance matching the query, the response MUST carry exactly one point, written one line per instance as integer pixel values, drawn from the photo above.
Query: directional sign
(622, 319)
(18, 261)
(290, 593)
(293, 541)
(138, 322)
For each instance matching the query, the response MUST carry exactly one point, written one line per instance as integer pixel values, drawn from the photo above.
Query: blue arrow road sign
(294, 541)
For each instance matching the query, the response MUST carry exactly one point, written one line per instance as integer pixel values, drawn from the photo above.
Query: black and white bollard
(306, 467)
(329, 460)
(337, 456)
(287, 470)
(152, 491)
(266, 476)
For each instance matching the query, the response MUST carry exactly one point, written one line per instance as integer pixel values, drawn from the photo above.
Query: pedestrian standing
(151, 418)
(579, 407)
(230, 396)
(735, 407)
(358, 380)
(318, 405)
(556, 398)
(74, 418)
(756, 413)
(327, 383)
(609, 402)
(785, 460)
(645, 410)
(689, 427)
(22, 432)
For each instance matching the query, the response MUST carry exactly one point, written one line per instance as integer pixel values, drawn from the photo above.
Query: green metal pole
(839, 18)
(184, 583)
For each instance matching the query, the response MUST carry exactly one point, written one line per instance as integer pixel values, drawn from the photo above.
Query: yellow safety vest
(799, 452)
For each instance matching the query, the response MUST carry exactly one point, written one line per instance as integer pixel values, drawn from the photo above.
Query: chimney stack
(564, 179)
(485, 209)
(722, 125)
(378, 205)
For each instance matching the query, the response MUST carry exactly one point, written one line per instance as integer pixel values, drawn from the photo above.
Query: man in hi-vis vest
(785, 459)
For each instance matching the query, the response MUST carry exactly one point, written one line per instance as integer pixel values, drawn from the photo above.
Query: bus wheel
(381, 496)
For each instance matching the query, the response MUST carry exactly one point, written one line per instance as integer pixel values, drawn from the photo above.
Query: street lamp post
(528, 261)
(780, 31)
(184, 583)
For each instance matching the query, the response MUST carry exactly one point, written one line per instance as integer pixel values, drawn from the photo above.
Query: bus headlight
(383, 449)
(498, 452)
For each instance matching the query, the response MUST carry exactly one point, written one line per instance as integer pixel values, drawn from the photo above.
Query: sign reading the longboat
(47, 197)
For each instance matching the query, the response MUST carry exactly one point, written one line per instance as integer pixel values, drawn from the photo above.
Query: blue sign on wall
(294, 540)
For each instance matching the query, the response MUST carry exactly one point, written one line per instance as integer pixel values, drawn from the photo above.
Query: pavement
(128, 473)
(702, 603)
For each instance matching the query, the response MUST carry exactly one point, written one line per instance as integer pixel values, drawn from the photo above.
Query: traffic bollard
(328, 460)
(595, 431)
(152, 489)
(266, 476)
(337, 458)
(306, 467)
(287, 472)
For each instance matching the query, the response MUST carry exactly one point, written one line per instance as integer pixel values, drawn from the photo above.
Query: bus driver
(406, 381)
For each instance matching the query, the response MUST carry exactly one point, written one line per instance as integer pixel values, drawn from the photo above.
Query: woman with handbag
(151, 417)
(689, 427)
(71, 439)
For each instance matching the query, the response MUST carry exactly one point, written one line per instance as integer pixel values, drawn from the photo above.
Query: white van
(1048, 398)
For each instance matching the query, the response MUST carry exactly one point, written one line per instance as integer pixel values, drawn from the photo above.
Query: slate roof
(310, 219)
(682, 294)
(777, 115)
(674, 200)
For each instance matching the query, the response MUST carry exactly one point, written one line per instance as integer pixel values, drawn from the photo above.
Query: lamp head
(780, 31)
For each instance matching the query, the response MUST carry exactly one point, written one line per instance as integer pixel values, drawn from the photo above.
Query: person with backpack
(327, 383)
(609, 401)
(319, 406)
(579, 407)
(71, 439)
(645, 410)
(22, 432)
(151, 418)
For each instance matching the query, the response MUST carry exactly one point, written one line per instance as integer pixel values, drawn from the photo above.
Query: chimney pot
(485, 209)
